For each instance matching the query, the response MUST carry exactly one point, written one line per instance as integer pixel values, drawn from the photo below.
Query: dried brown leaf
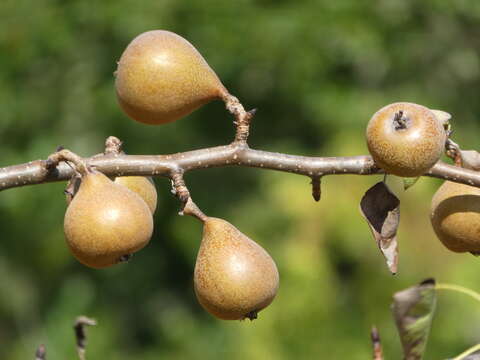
(380, 208)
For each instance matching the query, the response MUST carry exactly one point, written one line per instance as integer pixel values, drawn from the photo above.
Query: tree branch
(235, 154)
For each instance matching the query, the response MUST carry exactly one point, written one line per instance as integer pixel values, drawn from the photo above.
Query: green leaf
(408, 182)
(413, 309)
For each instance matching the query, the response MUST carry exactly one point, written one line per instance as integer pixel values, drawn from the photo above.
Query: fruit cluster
(160, 78)
(406, 140)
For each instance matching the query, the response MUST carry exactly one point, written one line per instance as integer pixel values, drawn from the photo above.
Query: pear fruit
(455, 216)
(406, 139)
(234, 277)
(143, 186)
(106, 222)
(161, 77)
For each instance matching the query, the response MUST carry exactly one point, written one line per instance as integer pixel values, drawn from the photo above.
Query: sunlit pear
(455, 216)
(143, 186)
(106, 222)
(405, 139)
(161, 77)
(234, 277)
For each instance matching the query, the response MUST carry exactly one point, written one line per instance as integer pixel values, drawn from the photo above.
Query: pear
(455, 216)
(143, 186)
(406, 139)
(234, 277)
(106, 222)
(161, 77)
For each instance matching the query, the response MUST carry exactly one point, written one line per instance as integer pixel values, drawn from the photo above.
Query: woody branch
(238, 153)
(235, 154)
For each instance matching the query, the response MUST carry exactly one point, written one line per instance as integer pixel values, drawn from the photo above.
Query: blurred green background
(317, 71)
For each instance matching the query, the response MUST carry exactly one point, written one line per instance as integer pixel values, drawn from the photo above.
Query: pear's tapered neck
(193, 210)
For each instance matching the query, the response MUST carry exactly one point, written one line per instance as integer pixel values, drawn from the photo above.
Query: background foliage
(317, 71)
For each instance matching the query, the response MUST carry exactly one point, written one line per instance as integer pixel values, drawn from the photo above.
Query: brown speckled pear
(405, 139)
(106, 222)
(455, 216)
(161, 77)
(234, 277)
(143, 186)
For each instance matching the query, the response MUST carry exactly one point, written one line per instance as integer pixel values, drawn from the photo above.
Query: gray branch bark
(235, 154)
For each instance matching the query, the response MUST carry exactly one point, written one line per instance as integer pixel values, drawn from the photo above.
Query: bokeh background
(317, 71)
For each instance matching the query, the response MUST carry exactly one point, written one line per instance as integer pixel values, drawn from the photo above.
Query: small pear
(106, 222)
(161, 77)
(234, 277)
(406, 139)
(455, 216)
(143, 186)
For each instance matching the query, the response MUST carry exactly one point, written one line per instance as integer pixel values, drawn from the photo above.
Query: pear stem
(242, 117)
(179, 188)
(193, 210)
(66, 155)
(113, 145)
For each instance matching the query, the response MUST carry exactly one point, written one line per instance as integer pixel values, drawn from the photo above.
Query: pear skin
(143, 186)
(106, 222)
(455, 216)
(161, 77)
(405, 139)
(234, 277)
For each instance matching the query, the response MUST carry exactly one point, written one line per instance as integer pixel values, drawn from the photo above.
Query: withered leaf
(413, 309)
(380, 208)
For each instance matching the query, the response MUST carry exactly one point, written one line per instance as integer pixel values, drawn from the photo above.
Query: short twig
(80, 334)
(316, 188)
(41, 353)
(377, 346)
(113, 145)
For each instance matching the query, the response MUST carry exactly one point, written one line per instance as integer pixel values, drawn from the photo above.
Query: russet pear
(455, 216)
(406, 139)
(161, 77)
(106, 222)
(234, 277)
